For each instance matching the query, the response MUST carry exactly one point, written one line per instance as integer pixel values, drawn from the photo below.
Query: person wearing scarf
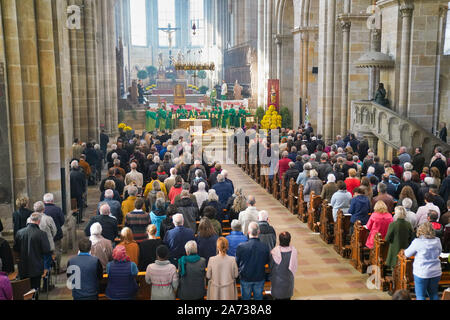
(284, 267)
(122, 274)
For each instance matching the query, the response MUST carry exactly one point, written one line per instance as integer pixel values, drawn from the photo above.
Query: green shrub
(203, 89)
(287, 117)
(142, 75)
(260, 114)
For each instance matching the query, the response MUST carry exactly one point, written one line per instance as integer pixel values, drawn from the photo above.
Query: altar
(187, 124)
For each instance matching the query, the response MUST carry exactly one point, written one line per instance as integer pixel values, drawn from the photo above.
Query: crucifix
(169, 30)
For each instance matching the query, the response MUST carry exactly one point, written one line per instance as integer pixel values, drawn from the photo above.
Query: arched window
(447, 34)
(138, 13)
(166, 17)
(197, 16)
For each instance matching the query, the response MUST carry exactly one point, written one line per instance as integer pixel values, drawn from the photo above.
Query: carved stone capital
(346, 25)
(406, 9)
(443, 10)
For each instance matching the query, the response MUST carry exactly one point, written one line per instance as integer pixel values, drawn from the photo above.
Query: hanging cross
(169, 30)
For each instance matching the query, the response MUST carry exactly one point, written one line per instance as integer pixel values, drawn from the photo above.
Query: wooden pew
(378, 256)
(313, 214)
(276, 187)
(341, 234)
(403, 278)
(302, 206)
(263, 174)
(326, 224)
(292, 196)
(283, 191)
(358, 247)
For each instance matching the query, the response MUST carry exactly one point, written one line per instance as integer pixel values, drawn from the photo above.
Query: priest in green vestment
(232, 116)
(169, 120)
(242, 117)
(162, 118)
(150, 120)
(225, 118)
(204, 114)
(214, 117)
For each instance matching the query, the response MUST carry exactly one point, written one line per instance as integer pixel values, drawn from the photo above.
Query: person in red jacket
(283, 165)
(352, 181)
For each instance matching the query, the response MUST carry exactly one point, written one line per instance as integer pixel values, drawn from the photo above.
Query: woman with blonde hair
(239, 204)
(378, 222)
(21, 215)
(400, 234)
(352, 181)
(131, 246)
(407, 192)
(427, 270)
(222, 273)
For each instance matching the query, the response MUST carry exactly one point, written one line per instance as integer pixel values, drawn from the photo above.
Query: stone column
(107, 66)
(75, 81)
(268, 50)
(278, 42)
(329, 100)
(49, 98)
(305, 67)
(15, 97)
(374, 73)
(91, 71)
(346, 25)
(406, 10)
(113, 66)
(26, 19)
(261, 80)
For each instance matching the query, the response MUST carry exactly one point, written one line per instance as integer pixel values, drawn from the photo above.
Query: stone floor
(322, 273)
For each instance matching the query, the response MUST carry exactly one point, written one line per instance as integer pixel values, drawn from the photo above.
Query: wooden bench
(341, 234)
(302, 209)
(377, 258)
(359, 256)
(276, 186)
(403, 278)
(326, 224)
(313, 213)
(293, 196)
(283, 191)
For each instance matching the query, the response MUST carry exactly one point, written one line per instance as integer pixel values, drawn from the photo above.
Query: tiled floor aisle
(322, 273)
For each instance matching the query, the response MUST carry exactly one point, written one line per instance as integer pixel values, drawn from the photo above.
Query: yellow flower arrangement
(127, 128)
(271, 119)
(122, 126)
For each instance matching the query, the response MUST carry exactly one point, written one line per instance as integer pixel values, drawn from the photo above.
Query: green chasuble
(205, 114)
(151, 121)
(169, 124)
(193, 114)
(225, 119)
(213, 118)
(242, 117)
(157, 119)
(219, 117)
(232, 114)
(162, 119)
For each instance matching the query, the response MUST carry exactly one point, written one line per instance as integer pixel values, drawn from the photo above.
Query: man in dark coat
(291, 173)
(418, 160)
(104, 140)
(77, 188)
(57, 214)
(444, 191)
(223, 189)
(32, 245)
(188, 209)
(177, 238)
(6, 257)
(108, 223)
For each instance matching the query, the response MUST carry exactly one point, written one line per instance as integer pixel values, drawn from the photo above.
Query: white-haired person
(114, 205)
(330, 188)
(312, 184)
(78, 187)
(224, 189)
(108, 223)
(176, 238)
(426, 250)
(235, 238)
(201, 194)
(134, 175)
(191, 272)
(410, 215)
(267, 233)
(225, 176)
(57, 215)
(284, 267)
(400, 234)
(196, 166)
(100, 247)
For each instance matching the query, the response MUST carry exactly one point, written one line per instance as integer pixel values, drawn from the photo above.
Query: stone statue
(224, 90)
(380, 96)
(160, 61)
(180, 57)
(237, 91)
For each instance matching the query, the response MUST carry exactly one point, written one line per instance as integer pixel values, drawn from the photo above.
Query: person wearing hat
(162, 276)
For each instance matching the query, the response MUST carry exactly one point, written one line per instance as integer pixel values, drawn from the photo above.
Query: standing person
(177, 238)
(191, 270)
(235, 238)
(443, 132)
(57, 215)
(222, 273)
(252, 258)
(359, 208)
(147, 248)
(400, 234)
(162, 276)
(21, 215)
(284, 267)
(206, 239)
(32, 245)
(403, 156)
(418, 160)
(426, 249)
(341, 199)
(250, 214)
(122, 274)
(130, 245)
(100, 247)
(352, 181)
(77, 188)
(267, 232)
(104, 140)
(378, 222)
(108, 223)
(6, 291)
(90, 271)
(138, 220)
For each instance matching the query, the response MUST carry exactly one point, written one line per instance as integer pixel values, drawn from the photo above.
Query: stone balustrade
(369, 118)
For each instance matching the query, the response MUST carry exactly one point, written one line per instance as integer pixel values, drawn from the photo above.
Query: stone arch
(394, 133)
(416, 140)
(405, 135)
(382, 123)
(427, 147)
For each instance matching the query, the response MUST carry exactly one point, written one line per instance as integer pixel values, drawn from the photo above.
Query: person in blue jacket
(359, 208)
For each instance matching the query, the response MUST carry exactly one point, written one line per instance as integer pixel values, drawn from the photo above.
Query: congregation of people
(405, 199)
